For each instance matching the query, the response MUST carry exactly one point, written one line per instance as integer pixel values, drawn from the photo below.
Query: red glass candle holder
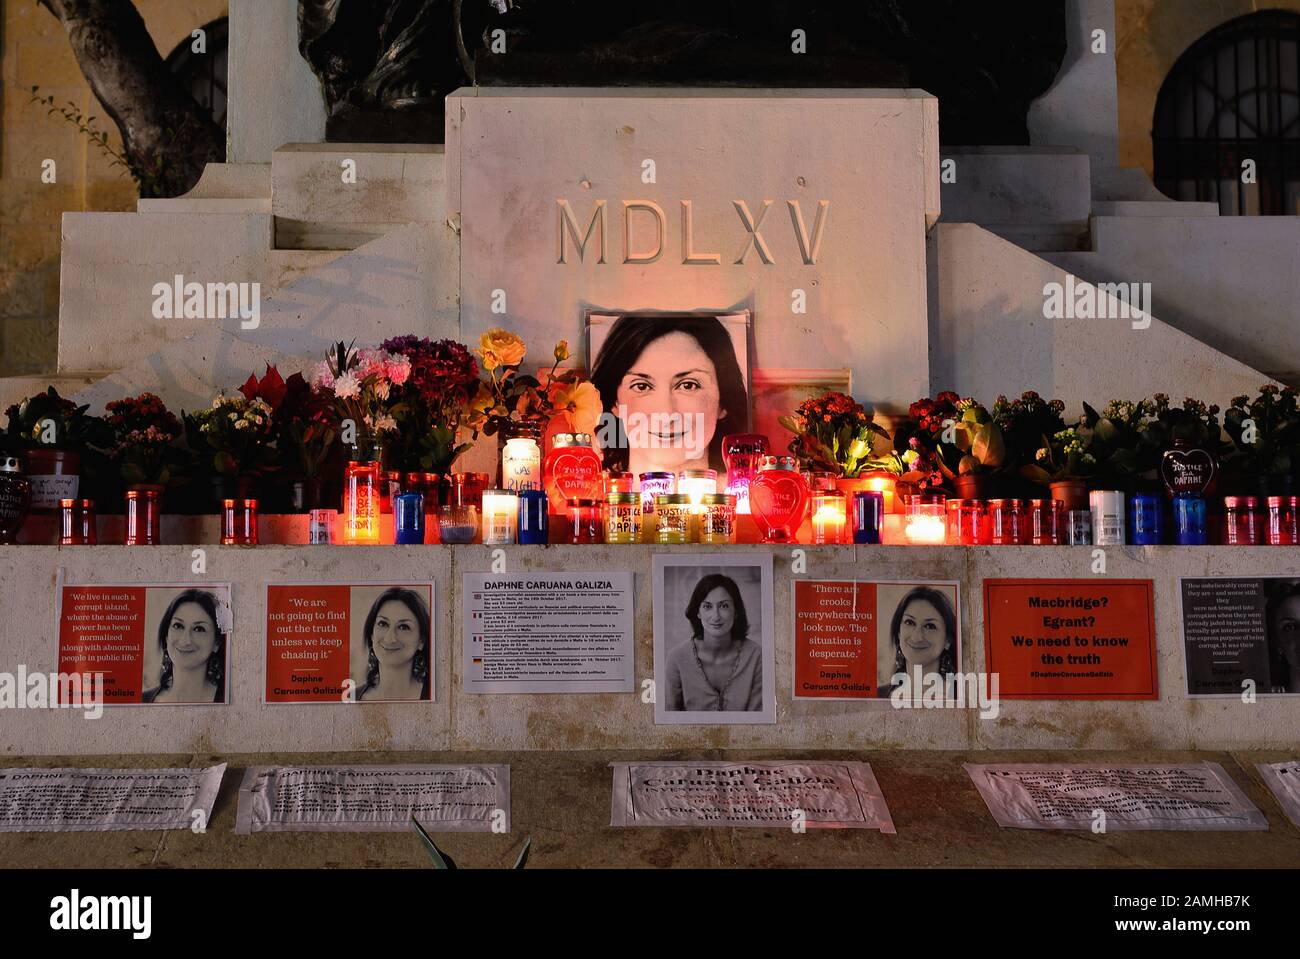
(1007, 522)
(969, 519)
(143, 517)
(619, 481)
(1044, 522)
(77, 522)
(1242, 524)
(1282, 521)
(586, 522)
(778, 499)
(467, 489)
(239, 522)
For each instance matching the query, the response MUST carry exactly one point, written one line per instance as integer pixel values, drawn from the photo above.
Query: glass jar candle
(15, 498)
(390, 486)
(457, 525)
(969, 522)
(740, 453)
(718, 521)
(521, 464)
(572, 470)
(361, 503)
(1107, 517)
(1242, 526)
(1190, 521)
(586, 524)
(1007, 522)
(623, 518)
(697, 484)
(239, 522)
(408, 518)
(500, 514)
(672, 518)
(829, 517)
(868, 517)
(1045, 518)
(320, 526)
(886, 485)
(778, 499)
(653, 485)
(143, 518)
(467, 489)
(77, 522)
(1146, 519)
(534, 527)
(926, 523)
(619, 481)
(1078, 527)
(1282, 521)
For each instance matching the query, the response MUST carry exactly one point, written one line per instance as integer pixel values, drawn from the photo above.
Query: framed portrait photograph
(714, 648)
(673, 385)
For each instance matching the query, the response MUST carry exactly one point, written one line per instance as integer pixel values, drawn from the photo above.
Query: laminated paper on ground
(1284, 780)
(827, 795)
(1107, 797)
(104, 800)
(469, 798)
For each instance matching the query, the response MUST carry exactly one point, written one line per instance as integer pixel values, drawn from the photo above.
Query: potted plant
(239, 434)
(1063, 463)
(966, 442)
(1024, 422)
(434, 405)
(833, 433)
(1265, 433)
(144, 441)
(361, 383)
(306, 428)
(1126, 459)
(1187, 434)
(54, 437)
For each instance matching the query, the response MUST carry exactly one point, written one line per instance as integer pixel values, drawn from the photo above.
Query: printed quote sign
(1071, 638)
(152, 644)
(359, 643)
(1241, 636)
(853, 639)
(1103, 797)
(828, 795)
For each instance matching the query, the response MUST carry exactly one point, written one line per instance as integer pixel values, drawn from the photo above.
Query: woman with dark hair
(397, 633)
(669, 379)
(719, 668)
(193, 645)
(1282, 623)
(924, 634)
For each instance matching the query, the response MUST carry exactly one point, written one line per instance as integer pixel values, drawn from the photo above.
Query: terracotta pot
(974, 486)
(54, 474)
(1073, 493)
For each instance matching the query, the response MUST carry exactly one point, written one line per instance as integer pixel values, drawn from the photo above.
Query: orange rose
(502, 347)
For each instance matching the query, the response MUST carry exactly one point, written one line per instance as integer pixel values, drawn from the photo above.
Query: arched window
(1234, 96)
(204, 74)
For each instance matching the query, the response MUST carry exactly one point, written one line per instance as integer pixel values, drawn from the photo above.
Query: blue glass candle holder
(1190, 520)
(533, 507)
(1146, 519)
(868, 516)
(408, 518)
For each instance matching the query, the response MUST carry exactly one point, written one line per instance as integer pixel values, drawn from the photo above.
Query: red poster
(364, 643)
(1071, 638)
(852, 640)
(155, 644)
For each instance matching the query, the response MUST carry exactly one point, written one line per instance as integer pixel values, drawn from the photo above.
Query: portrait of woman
(396, 633)
(1282, 623)
(675, 385)
(192, 644)
(719, 668)
(922, 633)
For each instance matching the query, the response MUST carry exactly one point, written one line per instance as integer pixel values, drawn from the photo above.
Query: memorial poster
(548, 633)
(104, 800)
(443, 798)
(1106, 797)
(1241, 635)
(358, 643)
(1092, 639)
(825, 795)
(715, 660)
(857, 640)
(153, 644)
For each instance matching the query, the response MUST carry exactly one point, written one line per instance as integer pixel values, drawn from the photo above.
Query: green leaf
(439, 860)
(523, 853)
(988, 446)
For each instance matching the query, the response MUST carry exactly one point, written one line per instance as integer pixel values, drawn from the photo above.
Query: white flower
(346, 387)
(382, 389)
(242, 425)
(385, 422)
(232, 416)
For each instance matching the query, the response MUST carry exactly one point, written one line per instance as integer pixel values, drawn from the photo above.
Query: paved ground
(562, 800)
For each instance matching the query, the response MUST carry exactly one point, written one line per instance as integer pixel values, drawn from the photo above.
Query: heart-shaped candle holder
(1187, 471)
(778, 500)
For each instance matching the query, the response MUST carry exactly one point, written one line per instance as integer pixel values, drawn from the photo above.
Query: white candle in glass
(500, 514)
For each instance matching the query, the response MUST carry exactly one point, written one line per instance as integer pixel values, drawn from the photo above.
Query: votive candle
(500, 513)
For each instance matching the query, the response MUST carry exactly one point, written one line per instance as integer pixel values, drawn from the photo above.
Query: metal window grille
(204, 74)
(1234, 96)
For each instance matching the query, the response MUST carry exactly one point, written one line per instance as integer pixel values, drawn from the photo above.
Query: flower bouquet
(833, 433)
(434, 402)
(361, 384)
(144, 440)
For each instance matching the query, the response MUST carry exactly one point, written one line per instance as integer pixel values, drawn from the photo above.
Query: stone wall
(34, 49)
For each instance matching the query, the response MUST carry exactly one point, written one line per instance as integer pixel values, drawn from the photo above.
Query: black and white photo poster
(1284, 781)
(715, 658)
(104, 800)
(548, 632)
(1241, 636)
(1109, 797)
(812, 795)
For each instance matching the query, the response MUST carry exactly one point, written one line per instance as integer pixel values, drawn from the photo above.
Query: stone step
(1148, 208)
(313, 184)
